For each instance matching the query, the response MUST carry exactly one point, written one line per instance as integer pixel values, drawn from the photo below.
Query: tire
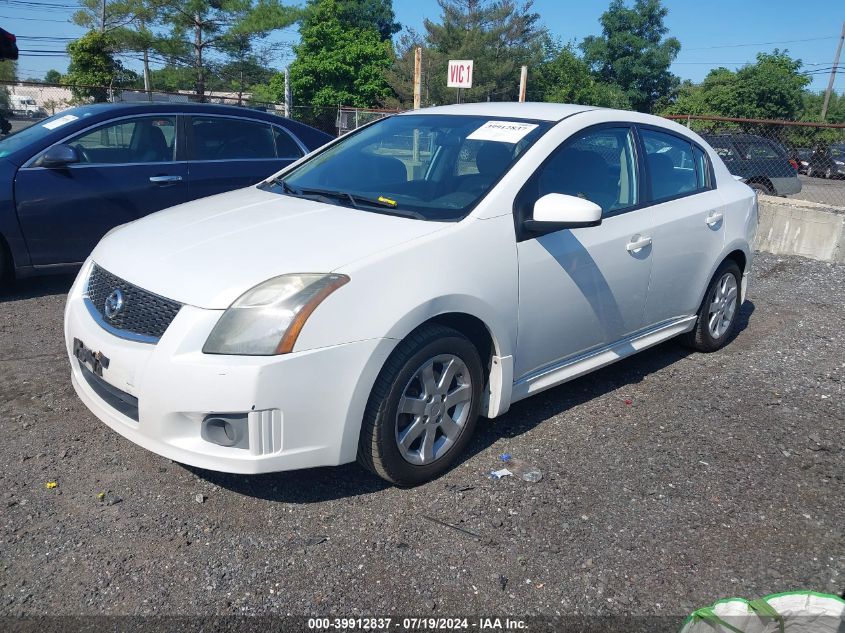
(828, 173)
(762, 188)
(400, 389)
(811, 173)
(704, 337)
(5, 266)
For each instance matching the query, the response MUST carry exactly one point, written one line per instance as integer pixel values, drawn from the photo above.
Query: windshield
(428, 166)
(15, 141)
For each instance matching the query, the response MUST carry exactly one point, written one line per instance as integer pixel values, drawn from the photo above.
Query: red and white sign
(460, 73)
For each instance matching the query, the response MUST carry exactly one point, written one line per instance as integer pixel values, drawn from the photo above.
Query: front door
(585, 288)
(126, 170)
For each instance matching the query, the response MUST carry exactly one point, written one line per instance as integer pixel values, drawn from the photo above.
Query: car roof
(511, 110)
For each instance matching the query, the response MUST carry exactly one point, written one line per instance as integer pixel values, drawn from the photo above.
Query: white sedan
(375, 298)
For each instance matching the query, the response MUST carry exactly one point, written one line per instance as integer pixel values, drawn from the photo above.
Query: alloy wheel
(723, 304)
(433, 410)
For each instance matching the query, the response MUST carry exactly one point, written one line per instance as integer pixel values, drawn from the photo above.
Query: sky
(716, 33)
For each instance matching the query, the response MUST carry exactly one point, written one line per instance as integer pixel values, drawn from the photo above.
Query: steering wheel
(83, 154)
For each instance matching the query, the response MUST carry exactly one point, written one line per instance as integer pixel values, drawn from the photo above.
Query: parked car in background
(827, 161)
(762, 163)
(66, 181)
(26, 107)
(373, 300)
(801, 157)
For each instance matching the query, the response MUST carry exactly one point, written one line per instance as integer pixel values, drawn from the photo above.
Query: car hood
(208, 252)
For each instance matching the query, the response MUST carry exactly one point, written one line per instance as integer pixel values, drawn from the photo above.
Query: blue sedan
(67, 180)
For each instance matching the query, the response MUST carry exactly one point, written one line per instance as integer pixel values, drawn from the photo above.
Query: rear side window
(286, 147)
(221, 138)
(702, 168)
(757, 150)
(670, 164)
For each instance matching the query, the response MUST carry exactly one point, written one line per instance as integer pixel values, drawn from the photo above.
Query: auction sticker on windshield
(62, 120)
(502, 131)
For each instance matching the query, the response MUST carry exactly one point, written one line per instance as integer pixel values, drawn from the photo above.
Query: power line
(17, 17)
(809, 39)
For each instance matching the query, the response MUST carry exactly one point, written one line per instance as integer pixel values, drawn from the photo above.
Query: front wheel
(423, 408)
(718, 314)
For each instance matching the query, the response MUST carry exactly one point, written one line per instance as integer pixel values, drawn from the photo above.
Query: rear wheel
(423, 408)
(718, 314)
(828, 173)
(5, 265)
(761, 187)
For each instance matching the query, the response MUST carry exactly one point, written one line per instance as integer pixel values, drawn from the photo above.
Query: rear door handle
(637, 244)
(714, 218)
(165, 179)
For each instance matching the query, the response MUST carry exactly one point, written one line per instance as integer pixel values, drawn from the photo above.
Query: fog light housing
(226, 429)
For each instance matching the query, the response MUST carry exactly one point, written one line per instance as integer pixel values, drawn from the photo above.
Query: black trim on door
(649, 199)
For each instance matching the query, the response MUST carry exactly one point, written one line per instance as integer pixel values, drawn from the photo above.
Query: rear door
(127, 169)
(688, 214)
(227, 153)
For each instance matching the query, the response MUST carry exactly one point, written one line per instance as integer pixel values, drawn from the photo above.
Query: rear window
(757, 150)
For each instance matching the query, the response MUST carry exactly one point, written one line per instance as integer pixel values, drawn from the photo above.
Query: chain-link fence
(796, 159)
(24, 103)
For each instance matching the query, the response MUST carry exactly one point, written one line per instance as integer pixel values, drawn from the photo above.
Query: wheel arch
(493, 340)
(739, 252)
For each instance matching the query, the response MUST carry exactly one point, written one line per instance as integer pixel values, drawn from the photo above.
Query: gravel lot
(821, 190)
(671, 480)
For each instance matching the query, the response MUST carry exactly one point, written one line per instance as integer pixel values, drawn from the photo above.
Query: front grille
(143, 314)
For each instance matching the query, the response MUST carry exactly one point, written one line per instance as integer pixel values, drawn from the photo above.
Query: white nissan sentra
(372, 300)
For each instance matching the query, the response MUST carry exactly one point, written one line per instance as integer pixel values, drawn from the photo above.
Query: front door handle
(163, 180)
(714, 218)
(638, 243)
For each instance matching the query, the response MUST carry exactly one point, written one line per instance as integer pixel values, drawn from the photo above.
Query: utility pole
(417, 76)
(415, 156)
(198, 44)
(103, 17)
(288, 96)
(523, 81)
(833, 73)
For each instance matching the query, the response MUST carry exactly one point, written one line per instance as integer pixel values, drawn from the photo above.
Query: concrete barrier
(798, 227)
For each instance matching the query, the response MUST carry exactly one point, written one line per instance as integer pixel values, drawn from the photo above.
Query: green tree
(633, 53)
(52, 76)
(498, 35)
(200, 26)
(338, 63)
(771, 88)
(369, 13)
(93, 68)
(566, 78)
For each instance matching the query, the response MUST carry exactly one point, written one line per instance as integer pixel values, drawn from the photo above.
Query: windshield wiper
(381, 205)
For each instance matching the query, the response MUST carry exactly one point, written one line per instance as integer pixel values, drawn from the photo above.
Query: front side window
(598, 165)
(222, 138)
(429, 166)
(141, 140)
(670, 164)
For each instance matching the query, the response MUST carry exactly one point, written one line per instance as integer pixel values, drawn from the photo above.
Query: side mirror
(58, 156)
(556, 211)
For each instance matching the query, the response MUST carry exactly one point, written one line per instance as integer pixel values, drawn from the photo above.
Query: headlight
(267, 319)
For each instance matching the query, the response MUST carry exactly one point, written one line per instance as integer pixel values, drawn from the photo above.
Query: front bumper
(303, 409)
